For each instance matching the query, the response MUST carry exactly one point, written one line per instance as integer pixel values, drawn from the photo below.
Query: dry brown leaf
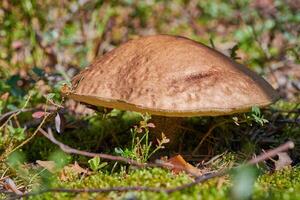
(221, 182)
(76, 168)
(283, 161)
(49, 165)
(9, 184)
(4, 96)
(72, 169)
(182, 165)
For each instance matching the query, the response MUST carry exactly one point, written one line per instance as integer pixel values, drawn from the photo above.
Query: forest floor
(45, 43)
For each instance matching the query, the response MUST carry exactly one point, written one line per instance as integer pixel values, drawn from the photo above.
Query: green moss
(283, 184)
(156, 177)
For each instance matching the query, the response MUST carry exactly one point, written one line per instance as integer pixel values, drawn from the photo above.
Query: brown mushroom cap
(170, 76)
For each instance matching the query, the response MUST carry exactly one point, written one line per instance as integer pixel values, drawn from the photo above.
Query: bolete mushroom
(170, 76)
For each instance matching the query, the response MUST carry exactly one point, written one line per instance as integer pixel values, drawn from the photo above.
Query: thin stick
(27, 140)
(70, 150)
(6, 154)
(200, 179)
(271, 153)
(15, 113)
(67, 149)
(262, 157)
(8, 114)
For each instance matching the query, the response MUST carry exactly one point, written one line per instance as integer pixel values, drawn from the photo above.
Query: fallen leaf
(49, 165)
(151, 125)
(138, 129)
(63, 176)
(9, 184)
(221, 182)
(76, 168)
(283, 161)
(39, 114)
(72, 170)
(4, 96)
(60, 122)
(181, 165)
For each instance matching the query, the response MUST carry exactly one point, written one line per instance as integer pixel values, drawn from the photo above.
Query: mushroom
(170, 76)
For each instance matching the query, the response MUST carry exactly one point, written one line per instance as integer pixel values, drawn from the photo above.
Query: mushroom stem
(170, 126)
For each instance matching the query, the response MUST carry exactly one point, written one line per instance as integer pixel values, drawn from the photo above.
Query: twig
(4, 155)
(214, 158)
(70, 150)
(8, 114)
(271, 153)
(27, 140)
(14, 113)
(262, 157)
(200, 179)
(52, 102)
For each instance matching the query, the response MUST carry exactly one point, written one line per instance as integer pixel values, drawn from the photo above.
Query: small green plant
(95, 163)
(141, 148)
(16, 133)
(256, 116)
